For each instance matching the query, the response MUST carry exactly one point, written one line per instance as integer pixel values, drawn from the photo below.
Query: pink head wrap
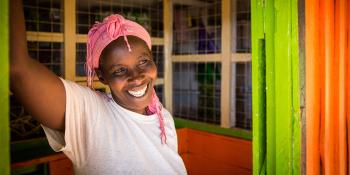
(100, 35)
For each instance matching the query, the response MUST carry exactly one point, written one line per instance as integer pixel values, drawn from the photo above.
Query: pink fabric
(100, 35)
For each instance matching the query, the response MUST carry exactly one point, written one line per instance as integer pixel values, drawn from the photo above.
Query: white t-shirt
(102, 137)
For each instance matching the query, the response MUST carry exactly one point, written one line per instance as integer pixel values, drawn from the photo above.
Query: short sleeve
(79, 119)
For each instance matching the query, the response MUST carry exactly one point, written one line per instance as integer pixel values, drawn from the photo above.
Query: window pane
(147, 13)
(43, 16)
(196, 94)
(197, 28)
(48, 53)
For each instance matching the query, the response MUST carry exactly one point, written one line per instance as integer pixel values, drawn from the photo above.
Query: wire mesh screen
(160, 91)
(43, 16)
(197, 27)
(243, 41)
(147, 13)
(241, 112)
(196, 91)
(48, 53)
(243, 92)
(80, 59)
(158, 57)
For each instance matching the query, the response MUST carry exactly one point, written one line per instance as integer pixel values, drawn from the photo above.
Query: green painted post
(4, 90)
(258, 82)
(276, 109)
(269, 22)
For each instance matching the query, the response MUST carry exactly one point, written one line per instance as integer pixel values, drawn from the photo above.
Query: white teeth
(138, 93)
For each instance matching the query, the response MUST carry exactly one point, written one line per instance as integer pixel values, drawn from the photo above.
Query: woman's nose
(136, 74)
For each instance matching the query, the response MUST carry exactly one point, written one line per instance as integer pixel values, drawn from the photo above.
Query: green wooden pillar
(4, 89)
(276, 109)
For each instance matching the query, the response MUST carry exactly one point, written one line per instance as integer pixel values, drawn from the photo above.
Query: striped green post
(276, 109)
(258, 82)
(4, 90)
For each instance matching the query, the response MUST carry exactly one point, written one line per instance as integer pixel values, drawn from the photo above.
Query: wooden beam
(226, 52)
(241, 57)
(197, 58)
(44, 36)
(157, 41)
(168, 45)
(69, 39)
(81, 38)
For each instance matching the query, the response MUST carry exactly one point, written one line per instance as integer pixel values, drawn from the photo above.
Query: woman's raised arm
(39, 90)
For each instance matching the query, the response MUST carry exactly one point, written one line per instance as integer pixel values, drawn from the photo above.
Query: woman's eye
(120, 71)
(143, 61)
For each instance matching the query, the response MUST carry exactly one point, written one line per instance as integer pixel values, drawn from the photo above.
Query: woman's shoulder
(74, 89)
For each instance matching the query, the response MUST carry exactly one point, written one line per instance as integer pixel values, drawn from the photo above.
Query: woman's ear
(100, 76)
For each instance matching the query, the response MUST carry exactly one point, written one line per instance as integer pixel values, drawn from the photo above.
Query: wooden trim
(157, 41)
(69, 41)
(215, 129)
(226, 37)
(96, 85)
(40, 160)
(196, 3)
(197, 58)
(44, 36)
(168, 44)
(82, 38)
(159, 81)
(241, 57)
(83, 78)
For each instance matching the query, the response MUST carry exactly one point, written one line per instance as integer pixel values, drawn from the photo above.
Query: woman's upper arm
(39, 90)
(41, 93)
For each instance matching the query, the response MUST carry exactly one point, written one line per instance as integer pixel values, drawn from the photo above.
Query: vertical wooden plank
(69, 38)
(226, 19)
(313, 90)
(347, 77)
(270, 25)
(287, 108)
(331, 102)
(233, 65)
(340, 46)
(168, 45)
(278, 67)
(296, 88)
(283, 88)
(4, 89)
(258, 87)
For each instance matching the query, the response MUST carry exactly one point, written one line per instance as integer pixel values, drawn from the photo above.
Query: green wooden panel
(296, 69)
(258, 89)
(283, 88)
(4, 90)
(269, 22)
(276, 109)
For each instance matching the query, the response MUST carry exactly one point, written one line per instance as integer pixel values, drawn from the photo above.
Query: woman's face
(130, 75)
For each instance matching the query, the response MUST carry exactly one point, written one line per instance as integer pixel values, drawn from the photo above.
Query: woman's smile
(138, 91)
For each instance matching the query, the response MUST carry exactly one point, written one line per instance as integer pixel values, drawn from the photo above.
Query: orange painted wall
(203, 153)
(327, 86)
(206, 153)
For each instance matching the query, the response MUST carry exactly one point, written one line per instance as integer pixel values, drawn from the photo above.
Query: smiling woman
(125, 132)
